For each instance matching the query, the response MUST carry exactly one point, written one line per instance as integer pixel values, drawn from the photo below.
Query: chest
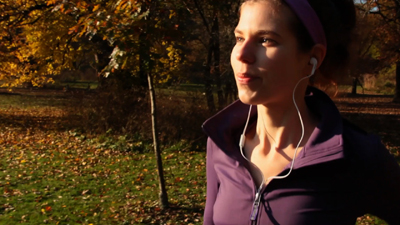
(265, 166)
(315, 195)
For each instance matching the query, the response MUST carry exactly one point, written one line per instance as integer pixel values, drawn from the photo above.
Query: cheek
(233, 58)
(280, 62)
(274, 56)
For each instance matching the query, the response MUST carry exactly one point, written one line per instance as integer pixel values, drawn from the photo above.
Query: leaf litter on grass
(53, 177)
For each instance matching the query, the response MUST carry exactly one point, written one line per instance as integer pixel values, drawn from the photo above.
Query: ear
(318, 52)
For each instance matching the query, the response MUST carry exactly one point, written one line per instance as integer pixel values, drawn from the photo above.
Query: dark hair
(338, 18)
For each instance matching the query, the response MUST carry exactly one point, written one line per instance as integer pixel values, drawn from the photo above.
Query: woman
(283, 154)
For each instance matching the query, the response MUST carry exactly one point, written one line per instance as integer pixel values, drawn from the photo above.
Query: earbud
(314, 62)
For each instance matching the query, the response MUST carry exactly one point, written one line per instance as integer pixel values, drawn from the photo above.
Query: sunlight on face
(266, 61)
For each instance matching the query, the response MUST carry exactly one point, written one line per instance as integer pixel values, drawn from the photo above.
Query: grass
(53, 174)
(65, 178)
(31, 101)
(58, 176)
(76, 84)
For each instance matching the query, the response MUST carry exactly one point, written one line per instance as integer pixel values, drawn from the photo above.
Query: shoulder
(363, 148)
(211, 146)
(356, 137)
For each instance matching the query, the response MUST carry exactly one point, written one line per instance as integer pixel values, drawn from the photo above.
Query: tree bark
(397, 90)
(229, 91)
(208, 79)
(354, 86)
(143, 59)
(216, 64)
(163, 192)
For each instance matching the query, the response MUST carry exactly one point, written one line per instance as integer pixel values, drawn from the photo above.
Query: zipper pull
(256, 205)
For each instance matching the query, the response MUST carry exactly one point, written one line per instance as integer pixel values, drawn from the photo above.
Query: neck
(279, 127)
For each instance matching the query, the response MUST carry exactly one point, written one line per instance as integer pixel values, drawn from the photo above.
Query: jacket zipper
(256, 208)
(257, 199)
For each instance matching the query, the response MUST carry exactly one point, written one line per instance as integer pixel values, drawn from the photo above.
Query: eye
(268, 41)
(239, 39)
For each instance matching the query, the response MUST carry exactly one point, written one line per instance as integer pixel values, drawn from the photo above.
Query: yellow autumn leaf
(51, 2)
(96, 7)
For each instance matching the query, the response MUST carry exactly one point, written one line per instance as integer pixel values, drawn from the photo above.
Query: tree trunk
(163, 192)
(354, 87)
(397, 90)
(216, 64)
(143, 59)
(208, 79)
(207, 68)
(229, 95)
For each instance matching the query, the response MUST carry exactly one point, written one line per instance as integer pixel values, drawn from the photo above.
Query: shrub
(127, 112)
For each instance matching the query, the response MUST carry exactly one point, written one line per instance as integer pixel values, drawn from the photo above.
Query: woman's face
(266, 61)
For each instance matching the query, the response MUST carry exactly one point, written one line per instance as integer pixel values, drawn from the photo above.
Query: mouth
(246, 78)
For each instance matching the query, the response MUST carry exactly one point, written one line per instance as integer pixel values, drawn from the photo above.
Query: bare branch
(202, 16)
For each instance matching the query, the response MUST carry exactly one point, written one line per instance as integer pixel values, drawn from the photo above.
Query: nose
(245, 52)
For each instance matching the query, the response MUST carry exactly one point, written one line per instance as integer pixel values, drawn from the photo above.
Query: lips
(245, 78)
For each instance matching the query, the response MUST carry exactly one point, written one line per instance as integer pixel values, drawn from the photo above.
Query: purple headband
(310, 20)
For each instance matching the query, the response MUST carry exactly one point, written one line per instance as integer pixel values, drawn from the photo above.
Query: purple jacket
(341, 173)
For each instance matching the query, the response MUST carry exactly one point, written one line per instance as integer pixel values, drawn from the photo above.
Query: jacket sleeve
(212, 185)
(384, 196)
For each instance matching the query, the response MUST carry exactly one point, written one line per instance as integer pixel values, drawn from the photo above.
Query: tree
(23, 24)
(389, 13)
(368, 38)
(139, 56)
(163, 191)
(130, 29)
(38, 43)
(209, 17)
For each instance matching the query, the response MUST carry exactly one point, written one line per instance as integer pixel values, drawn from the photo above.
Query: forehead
(265, 15)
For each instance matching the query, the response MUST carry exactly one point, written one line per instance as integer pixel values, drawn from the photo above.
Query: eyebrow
(260, 32)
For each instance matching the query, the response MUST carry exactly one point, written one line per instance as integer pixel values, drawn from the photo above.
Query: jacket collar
(325, 143)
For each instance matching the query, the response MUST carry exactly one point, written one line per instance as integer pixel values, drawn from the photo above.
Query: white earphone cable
(302, 132)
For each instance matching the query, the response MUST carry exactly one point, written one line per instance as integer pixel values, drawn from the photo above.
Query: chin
(249, 99)
(259, 98)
